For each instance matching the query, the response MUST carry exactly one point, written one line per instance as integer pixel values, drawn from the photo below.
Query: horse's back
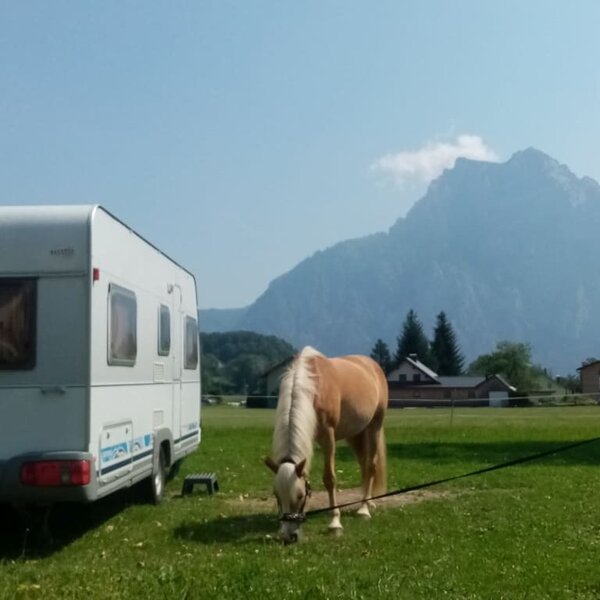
(351, 391)
(360, 370)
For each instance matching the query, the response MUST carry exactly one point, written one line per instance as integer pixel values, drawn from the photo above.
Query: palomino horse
(327, 399)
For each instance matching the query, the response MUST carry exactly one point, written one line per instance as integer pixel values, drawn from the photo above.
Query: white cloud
(426, 163)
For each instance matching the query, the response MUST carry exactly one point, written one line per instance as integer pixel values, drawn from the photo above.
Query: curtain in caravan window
(17, 324)
(164, 330)
(123, 327)
(191, 343)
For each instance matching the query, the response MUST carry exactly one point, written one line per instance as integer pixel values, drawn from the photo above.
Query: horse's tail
(380, 481)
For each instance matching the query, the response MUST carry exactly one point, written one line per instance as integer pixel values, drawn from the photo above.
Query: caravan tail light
(52, 473)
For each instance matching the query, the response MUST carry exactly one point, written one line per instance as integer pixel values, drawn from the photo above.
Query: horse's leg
(328, 444)
(369, 460)
(358, 443)
(366, 461)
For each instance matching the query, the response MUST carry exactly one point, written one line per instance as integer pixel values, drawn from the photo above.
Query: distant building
(590, 377)
(273, 379)
(413, 383)
(274, 375)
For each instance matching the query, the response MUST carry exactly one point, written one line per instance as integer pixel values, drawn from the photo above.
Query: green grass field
(530, 531)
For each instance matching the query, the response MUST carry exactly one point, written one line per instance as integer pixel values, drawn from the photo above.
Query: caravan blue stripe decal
(142, 455)
(147, 440)
(187, 436)
(124, 463)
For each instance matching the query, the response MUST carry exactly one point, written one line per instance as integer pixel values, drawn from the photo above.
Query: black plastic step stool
(208, 479)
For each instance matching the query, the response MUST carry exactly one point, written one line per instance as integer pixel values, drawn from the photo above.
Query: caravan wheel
(156, 485)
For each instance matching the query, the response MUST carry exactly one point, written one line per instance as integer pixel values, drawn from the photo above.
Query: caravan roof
(50, 231)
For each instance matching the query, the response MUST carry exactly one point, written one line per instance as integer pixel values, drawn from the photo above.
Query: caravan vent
(158, 418)
(159, 371)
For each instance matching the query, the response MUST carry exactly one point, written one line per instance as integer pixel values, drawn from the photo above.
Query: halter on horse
(327, 399)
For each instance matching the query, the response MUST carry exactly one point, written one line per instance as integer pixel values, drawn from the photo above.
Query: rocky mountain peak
(507, 250)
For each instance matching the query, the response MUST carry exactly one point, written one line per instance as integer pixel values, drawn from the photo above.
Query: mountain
(214, 320)
(507, 250)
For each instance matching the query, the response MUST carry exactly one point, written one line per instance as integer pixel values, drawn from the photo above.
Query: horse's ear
(271, 464)
(300, 467)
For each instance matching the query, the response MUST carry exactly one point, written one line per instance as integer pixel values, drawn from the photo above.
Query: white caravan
(99, 362)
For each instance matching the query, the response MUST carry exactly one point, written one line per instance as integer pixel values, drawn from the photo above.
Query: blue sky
(241, 137)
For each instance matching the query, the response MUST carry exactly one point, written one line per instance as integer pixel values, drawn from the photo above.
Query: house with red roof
(413, 383)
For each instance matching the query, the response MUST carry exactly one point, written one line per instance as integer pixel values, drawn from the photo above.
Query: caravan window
(17, 324)
(191, 343)
(164, 330)
(122, 335)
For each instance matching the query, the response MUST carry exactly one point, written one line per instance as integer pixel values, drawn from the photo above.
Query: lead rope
(422, 486)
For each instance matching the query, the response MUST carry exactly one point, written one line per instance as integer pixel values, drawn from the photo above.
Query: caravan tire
(156, 483)
(174, 470)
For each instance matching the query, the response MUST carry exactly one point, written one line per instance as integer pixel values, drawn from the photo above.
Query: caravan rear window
(191, 343)
(17, 324)
(164, 330)
(122, 335)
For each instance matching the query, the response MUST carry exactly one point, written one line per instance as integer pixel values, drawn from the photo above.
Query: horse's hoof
(293, 539)
(363, 512)
(336, 531)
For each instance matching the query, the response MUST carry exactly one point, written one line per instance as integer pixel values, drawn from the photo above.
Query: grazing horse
(327, 399)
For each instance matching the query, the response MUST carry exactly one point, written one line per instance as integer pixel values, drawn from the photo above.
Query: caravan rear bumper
(14, 491)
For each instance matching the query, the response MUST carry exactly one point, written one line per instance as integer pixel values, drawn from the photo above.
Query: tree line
(512, 360)
(442, 354)
(235, 362)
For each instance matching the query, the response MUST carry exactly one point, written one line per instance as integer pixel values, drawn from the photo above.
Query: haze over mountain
(507, 250)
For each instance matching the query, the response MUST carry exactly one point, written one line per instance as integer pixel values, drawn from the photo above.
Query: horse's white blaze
(290, 492)
(288, 487)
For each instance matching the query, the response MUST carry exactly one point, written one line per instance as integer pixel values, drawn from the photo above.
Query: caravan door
(177, 365)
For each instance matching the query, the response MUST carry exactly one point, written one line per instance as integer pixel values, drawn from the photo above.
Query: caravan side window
(191, 343)
(164, 330)
(122, 323)
(17, 324)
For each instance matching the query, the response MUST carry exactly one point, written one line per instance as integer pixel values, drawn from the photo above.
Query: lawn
(530, 531)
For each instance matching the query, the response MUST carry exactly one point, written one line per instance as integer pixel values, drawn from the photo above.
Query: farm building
(590, 377)
(413, 383)
(273, 379)
(274, 375)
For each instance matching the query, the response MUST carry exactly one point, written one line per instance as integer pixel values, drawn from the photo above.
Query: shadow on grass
(25, 536)
(499, 451)
(230, 530)
(490, 453)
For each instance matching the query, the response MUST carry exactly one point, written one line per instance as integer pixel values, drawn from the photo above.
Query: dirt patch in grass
(320, 499)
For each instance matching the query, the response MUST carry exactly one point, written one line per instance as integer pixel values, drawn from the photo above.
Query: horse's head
(292, 490)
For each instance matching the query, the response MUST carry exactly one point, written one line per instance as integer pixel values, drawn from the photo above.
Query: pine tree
(413, 341)
(445, 349)
(381, 355)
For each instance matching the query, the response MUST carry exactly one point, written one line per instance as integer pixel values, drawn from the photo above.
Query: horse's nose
(292, 539)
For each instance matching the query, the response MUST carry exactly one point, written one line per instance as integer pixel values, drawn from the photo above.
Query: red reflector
(80, 472)
(96, 274)
(51, 473)
(45, 473)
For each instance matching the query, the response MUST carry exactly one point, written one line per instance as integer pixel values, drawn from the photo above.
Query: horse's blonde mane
(296, 419)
